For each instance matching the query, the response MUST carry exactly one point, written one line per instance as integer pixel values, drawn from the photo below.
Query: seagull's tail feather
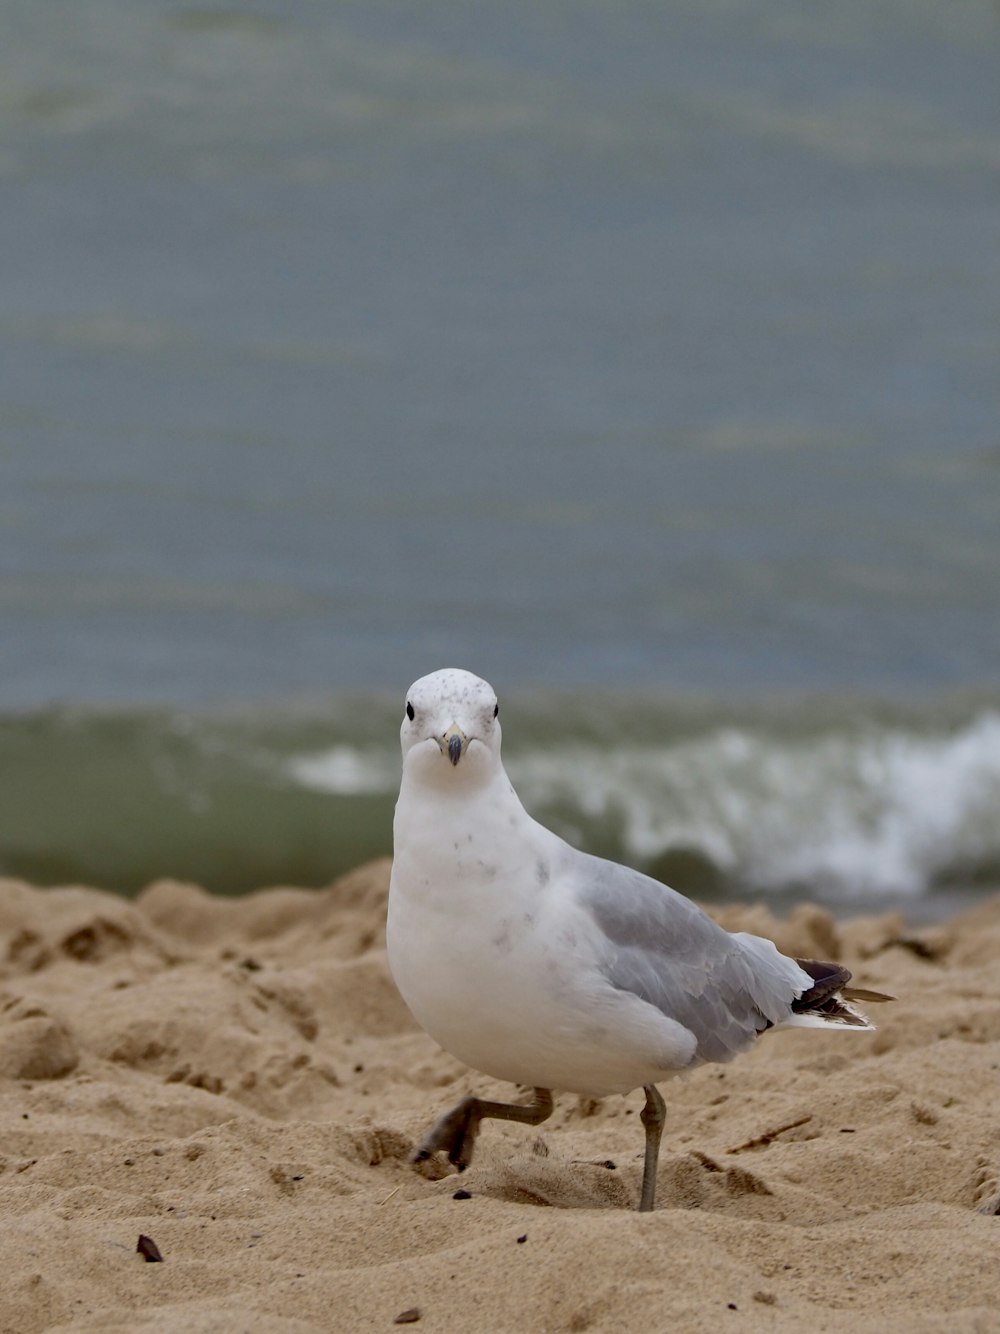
(860, 994)
(829, 999)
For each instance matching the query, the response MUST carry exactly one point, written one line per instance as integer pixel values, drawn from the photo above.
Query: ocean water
(860, 808)
(642, 359)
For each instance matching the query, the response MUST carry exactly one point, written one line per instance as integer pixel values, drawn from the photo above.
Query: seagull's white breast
(498, 962)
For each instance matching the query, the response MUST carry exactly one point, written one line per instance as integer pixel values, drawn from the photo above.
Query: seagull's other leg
(652, 1117)
(457, 1129)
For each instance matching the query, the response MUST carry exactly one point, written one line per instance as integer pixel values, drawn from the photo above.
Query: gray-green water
(860, 805)
(595, 348)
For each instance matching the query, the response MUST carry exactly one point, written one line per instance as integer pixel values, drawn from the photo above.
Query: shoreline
(238, 1080)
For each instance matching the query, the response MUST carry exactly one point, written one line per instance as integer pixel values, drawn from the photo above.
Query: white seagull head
(451, 728)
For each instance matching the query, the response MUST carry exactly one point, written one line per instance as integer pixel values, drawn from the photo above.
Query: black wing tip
(828, 978)
(830, 997)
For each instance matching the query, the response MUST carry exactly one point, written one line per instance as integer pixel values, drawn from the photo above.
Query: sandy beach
(238, 1081)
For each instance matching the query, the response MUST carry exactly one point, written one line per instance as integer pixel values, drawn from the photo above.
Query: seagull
(546, 967)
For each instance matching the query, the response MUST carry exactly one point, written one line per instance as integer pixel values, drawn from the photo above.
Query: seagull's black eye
(409, 710)
(496, 710)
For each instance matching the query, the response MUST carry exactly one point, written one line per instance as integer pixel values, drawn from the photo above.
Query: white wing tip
(853, 1020)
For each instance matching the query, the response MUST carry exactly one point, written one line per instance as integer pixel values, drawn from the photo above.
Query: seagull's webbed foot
(457, 1130)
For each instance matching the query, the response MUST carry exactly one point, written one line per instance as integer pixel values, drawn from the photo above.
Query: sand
(238, 1081)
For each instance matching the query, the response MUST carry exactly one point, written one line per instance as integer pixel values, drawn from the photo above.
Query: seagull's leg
(457, 1129)
(652, 1117)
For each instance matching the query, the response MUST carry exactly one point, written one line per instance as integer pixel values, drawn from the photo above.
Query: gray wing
(725, 988)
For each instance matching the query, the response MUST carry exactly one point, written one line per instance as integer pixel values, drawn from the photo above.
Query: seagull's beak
(454, 742)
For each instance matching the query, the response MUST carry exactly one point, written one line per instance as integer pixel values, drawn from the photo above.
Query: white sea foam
(881, 810)
(345, 771)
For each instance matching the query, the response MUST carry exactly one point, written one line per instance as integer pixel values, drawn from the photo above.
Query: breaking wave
(850, 804)
(872, 811)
